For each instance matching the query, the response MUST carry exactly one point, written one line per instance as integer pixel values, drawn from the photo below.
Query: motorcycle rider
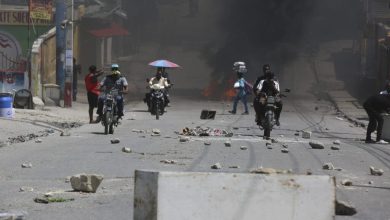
(268, 86)
(113, 80)
(161, 81)
(266, 69)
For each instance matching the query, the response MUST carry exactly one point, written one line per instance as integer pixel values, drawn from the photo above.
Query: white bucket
(7, 112)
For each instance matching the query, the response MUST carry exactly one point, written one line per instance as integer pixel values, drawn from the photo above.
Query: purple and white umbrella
(164, 63)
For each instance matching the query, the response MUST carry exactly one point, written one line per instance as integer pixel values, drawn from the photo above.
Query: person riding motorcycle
(161, 81)
(269, 86)
(113, 80)
(266, 69)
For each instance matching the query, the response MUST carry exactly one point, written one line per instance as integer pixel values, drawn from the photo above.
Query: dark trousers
(375, 123)
(241, 98)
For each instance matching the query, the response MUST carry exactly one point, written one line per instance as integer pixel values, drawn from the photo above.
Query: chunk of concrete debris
(244, 148)
(316, 145)
(169, 161)
(47, 200)
(126, 149)
(285, 145)
(115, 141)
(26, 165)
(216, 166)
(4, 144)
(184, 139)
(262, 170)
(370, 182)
(285, 150)
(207, 143)
(309, 172)
(343, 208)
(306, 134)
(273, 140)
(234, 167)
(376, 172)
(38, 141)
(156, 131)
(346, 182)
(25, 189)
(86, 182)
(65, 133)
(13, 215)
(138, 131)
(335, 147)
(328, 166)
(228, 143)
(337, 142)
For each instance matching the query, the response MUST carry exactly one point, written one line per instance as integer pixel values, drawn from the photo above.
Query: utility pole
(60, 45)
(69, 56)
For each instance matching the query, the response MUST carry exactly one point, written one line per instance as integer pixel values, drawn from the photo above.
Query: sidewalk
(344, 102)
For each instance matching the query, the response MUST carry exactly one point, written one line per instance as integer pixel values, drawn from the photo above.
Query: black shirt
(380, 103)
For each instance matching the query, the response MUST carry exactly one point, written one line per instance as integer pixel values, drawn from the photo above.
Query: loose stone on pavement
(26, 189)
(38, 141)
(316, 145)
(335, 147)
(346, 182)
(285, 150)
(228, 143)
(207, 143)
(306, 134)
(184, 139)
(86, 182)
(115, 141)
(169, 161)
(234, 167)
(376, 172)
(26, 165)
(126, 150)
(216, 166)
(262, 170)
(244, 148)
(65, 133)
(336, 142)
(328, 166)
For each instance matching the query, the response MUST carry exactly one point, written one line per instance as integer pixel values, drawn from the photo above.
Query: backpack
(248, 88)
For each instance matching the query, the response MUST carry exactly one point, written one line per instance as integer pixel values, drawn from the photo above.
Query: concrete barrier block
(386, 128)
(199, 196)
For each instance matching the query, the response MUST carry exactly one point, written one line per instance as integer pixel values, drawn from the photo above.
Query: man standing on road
(239, 85)
(92, 86)
(375, 106)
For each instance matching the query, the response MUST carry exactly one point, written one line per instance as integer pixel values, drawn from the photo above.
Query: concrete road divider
(190, 196)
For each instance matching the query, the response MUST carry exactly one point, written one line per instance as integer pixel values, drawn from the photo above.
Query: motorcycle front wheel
(157, 110)
(268, 126)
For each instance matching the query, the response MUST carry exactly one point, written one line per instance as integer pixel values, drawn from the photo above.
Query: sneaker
(245, 113)
(232, 112)
(382, 142)
(369, 141)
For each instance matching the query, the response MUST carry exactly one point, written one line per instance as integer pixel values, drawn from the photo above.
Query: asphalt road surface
(88, 150)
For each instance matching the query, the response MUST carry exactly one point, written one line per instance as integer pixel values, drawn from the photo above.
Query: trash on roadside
(47, 200)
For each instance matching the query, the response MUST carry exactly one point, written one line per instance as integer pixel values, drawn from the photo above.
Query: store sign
(41, 9)
(20, 18)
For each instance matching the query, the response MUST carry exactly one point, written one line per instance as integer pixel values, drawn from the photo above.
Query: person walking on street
(375, 106)
(92, 86)
(239, 85)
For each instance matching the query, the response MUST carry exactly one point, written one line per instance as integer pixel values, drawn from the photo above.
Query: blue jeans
(243, 100)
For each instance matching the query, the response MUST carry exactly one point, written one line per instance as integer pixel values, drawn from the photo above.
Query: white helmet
(239, 66)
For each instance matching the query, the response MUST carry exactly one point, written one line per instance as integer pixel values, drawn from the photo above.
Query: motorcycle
(110, 112)
(268, 120)
(157, 101)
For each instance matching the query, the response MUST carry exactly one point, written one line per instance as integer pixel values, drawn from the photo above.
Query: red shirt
(92, 84)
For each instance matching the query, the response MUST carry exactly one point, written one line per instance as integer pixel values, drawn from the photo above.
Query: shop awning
(113, 30)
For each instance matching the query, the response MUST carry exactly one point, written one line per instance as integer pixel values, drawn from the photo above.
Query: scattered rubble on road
(244, 148)
(184, 139)
(25, 189)
(337, 142)
(285, 150)
(126, 149)
(216, 166)
(273, 140)
(169, 161)
(207, 143)
(228, 143)
(13, 215)
(262, 170)
(328, 166)
(343, 208)
(306, 134)
(234, 167)
(376, 172)
(156, 131)
(38, 141)
(316, 145)
(115, 141)
(65, 133)
(47, 200)
(200, 131)
(86, 182)
(335, 147)
(346, 182)
(26, 165)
